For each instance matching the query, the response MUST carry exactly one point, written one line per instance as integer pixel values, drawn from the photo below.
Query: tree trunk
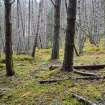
(37, 31)
(8, 39)
(29, 28)
(55, 49)
(69, 40)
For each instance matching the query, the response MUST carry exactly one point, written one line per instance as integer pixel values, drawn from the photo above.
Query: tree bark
(8, 39)
(69, 40)
(55, 49)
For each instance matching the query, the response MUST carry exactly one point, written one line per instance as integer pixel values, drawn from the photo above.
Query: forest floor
(24, 88)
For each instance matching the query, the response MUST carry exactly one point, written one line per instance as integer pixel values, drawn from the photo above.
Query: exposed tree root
(83, 100)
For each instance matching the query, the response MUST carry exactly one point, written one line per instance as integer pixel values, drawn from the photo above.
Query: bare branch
(52, 2)
(66, 5)
(12, 1)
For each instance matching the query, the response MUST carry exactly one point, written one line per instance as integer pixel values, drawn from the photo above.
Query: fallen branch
(82, 99)
(89, 78)
(52, 81)
(53, 67)
(70, 78)
(86, 67)
(85, 73)
(75, 49)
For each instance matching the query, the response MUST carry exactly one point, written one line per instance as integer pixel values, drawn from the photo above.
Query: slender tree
(37, 30)
(29, 24)
(69, 40)
(8, 38)
(55, 49)
(0, 41)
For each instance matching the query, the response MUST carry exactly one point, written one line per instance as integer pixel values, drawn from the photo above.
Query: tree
(0, 41)
(69, 40)
(8, 38)
(0, 30)
(29, 25)
(37, 30)
(81, 37)
(55, 49)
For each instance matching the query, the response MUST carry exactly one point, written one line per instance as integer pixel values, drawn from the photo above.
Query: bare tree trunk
(69, 40)
(29, 24)
(37, 31)
(55, 49)
(8, 39)
(0, 40)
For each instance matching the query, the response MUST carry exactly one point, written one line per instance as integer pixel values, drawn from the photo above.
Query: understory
(24, 88)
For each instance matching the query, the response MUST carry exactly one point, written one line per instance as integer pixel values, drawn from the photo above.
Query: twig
(66, 5)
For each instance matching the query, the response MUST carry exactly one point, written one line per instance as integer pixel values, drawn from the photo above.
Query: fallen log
(86, 67)
(70, 78)
(83, 100)
(90, 67)
(85, 73)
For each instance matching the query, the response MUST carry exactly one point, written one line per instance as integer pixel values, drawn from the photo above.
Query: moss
(24, 89)
(71, 101)
(2, 66)
(2, 61)
(22, 58)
